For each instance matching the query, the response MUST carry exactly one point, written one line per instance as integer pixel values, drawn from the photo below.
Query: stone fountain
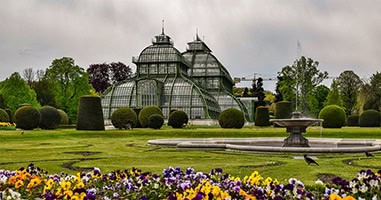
(296, 126)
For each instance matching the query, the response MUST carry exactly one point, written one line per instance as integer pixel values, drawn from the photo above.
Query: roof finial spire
(197, 38)
(162, 26)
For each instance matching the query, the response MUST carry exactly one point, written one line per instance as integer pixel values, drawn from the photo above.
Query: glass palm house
(193, 81)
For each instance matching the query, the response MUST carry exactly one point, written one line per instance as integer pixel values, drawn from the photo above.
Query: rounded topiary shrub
(370, 118)
(353, 120)
(231, 118)
(4, 117)
(137, 111)
(124, 118)
(50, 117)
(262, 116)
(10, 114)
(27, 118)
(283, 110)
(146, 112)
(333, 116)
(90, 115)
(64, 117)
(178, 119)
(155, 121)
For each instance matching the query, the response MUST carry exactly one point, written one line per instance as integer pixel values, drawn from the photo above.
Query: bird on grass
(309, 160)
(368, 154)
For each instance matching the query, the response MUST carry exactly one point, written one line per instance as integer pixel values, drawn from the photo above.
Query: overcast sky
(247, 36)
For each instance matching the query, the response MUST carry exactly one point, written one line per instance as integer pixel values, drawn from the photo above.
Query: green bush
(283, 110)
(178, 119)
(231, 118)
(333, 116)
(146, 112)
(10, 114)
(262, 116)
(50, 117)
(64, 117)
(124, 117)
(4, 117)
(90, 115)
(27, 118)
(137, 111)
(370, 118)
(353, 120)
(155, 121)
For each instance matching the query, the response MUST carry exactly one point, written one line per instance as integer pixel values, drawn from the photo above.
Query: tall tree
(372, 93)
(99, 76)
(259, 92)
(45, 92)
(349, 85)
(40, 74)
(120, 72)
(16, 91)
(278, 94)
(28, 75)
(301, 78)
(70, 82)
(317, 99)
(333, 97)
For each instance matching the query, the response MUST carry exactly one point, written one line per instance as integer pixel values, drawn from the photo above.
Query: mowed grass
(70, 150)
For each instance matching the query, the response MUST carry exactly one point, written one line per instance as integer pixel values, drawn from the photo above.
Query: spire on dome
(162, 27)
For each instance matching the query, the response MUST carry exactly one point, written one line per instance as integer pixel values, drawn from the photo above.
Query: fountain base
(296, 138)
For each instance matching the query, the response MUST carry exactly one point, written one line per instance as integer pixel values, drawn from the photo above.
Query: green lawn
(61, 149)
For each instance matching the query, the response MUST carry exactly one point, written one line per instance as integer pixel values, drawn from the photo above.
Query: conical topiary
(90, 115)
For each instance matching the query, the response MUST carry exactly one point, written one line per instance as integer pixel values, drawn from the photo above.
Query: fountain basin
(271, 145)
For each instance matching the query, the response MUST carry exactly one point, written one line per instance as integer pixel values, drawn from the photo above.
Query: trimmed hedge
(50, 117)
(146, 112)
(178, 119)
(64, 117)
(90, 115)
(10, 114)
(124, 118)
(4, 117)
(27, 118)
(155, 121)
(283, 110)
(262, 116)
(231, 118)
(137, 111)
(353, 120)
(370, 118)
(333, 116)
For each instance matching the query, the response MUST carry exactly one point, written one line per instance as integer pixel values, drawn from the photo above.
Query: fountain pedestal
(296, 138)
(296, 126)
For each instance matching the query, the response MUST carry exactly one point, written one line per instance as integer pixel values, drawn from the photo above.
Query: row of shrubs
(148, 117)
(28, 118)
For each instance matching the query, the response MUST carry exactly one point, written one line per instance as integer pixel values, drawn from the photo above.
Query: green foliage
(4, 117)
(283, 110)
(70, 82)
(16, 91)
(27, 118)
(64, 117)
(317, 99)
(45, 92)
(333, 116)
(124, 117)
(90, 116)
(10, 114)
(262, 116)
(178, 119)
(370, 118)
(349, 85)
(302, 76)
(146, 112)
(333, 97)
(231, 118)
(137, 111)
(155, 121)
(370, 94)
(50, 117)
(353, 120)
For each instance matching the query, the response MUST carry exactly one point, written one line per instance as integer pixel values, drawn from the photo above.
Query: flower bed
(7, 126)
(174, 183)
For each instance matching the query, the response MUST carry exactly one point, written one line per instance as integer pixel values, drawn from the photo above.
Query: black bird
(368, 154)
(309, 160)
